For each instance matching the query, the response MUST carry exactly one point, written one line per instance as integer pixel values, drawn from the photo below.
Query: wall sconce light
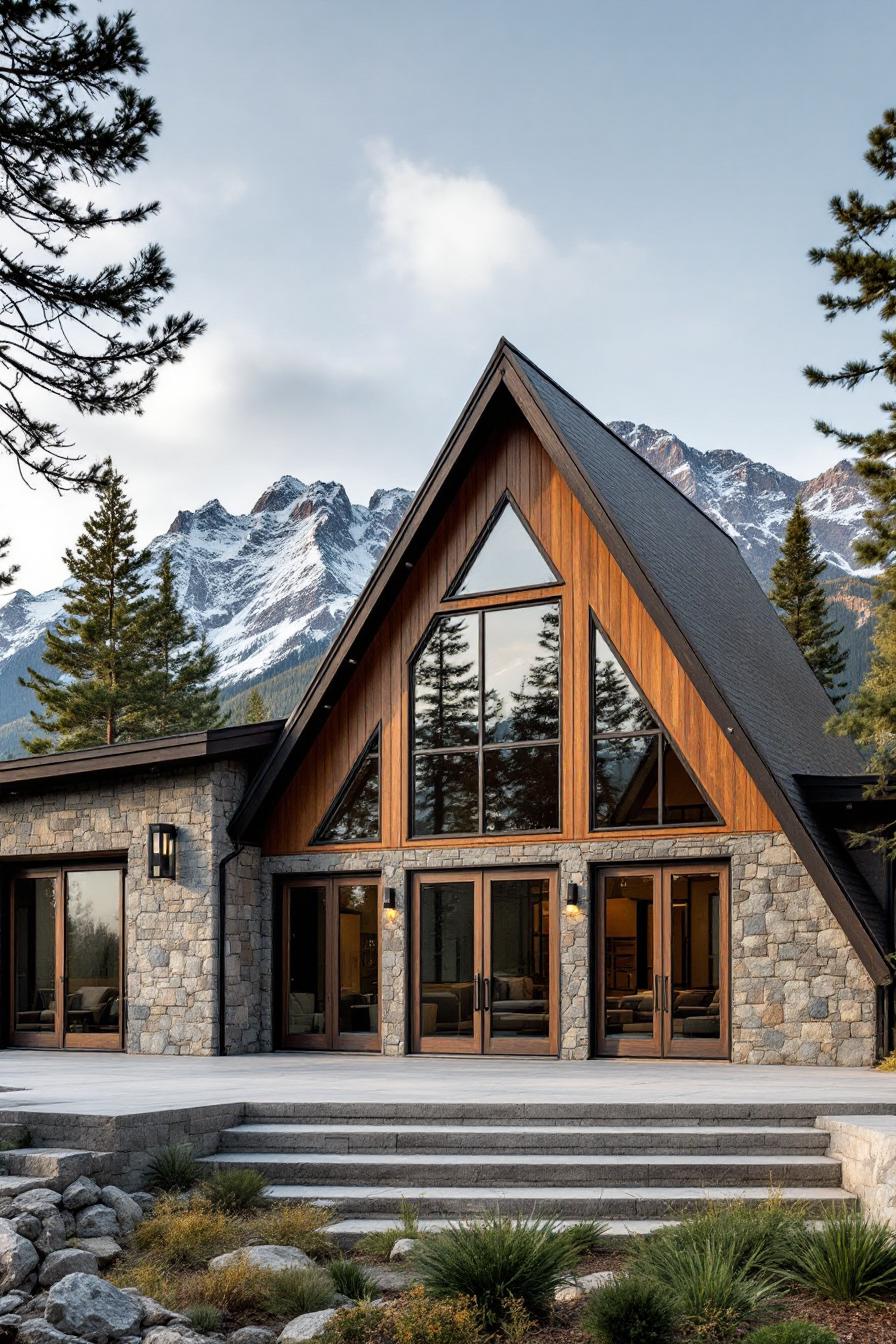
(162, 849)
(390, 903)
(572, 898)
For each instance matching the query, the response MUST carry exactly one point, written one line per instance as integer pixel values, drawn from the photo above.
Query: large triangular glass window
(505, 558)
(354, 814)
(638, 777)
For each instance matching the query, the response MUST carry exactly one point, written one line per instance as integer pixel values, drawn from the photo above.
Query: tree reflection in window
(354, 814)
(486, 731)
(638, 778)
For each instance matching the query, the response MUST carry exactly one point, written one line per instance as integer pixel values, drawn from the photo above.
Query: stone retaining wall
(866, 1147)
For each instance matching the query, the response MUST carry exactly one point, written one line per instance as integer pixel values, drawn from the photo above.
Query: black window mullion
(660, 802)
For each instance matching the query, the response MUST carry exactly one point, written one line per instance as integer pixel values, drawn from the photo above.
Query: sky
(361, 196)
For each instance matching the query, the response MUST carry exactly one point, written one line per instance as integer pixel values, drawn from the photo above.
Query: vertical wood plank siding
(513, 459)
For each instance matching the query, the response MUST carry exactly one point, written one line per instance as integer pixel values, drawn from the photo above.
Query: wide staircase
(633, 1168)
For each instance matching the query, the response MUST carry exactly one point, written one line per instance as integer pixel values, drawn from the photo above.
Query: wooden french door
(663, 961)
(484, 955)
(331, 964)
(66, 944)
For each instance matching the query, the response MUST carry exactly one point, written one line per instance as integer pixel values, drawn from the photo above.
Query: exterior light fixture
(390, 903)
(572, 898)
(162, 849)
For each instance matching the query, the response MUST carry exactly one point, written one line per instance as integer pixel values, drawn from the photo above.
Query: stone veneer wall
(799, 993)
(170, 930)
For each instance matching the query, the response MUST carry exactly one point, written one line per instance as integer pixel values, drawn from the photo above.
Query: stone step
(628, 1114)
(570, 1202)
(10, 1186)
(347, 1232)
(282, 1136)
(512, 1169)
(57, 1167)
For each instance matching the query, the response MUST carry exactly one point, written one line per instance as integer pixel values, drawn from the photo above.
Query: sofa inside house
(695, 1012)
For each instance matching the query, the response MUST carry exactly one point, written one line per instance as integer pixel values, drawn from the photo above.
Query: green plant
(350, 1279)
(849, 1258)
(585, 1237)
(792, 1332)
(236, 1288)
(408, 1215)
(173, 1168)
(363, 1324)
(299, 1225)
(185, 1235)
(497, 1258)
(234, 1189)
(713, 1293)
(378, 1245)
(293, 1292)
(413, 1318)
(204, 1317)
(762, 1235)
(630, 1311)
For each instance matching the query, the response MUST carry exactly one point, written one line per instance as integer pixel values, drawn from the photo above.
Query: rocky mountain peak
(280, 495)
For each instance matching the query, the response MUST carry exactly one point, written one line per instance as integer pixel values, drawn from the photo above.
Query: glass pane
(695, 956)
(520, 958)
(682, 800)
(446, 958)
(307, 967)
(626, 779)
(446, 685)
(34, 955)
(446, 794)
(507, 558)
(355, 815)
(359, 958)
(522, 789)
(522, 673)
(618, 708)
(93, 951)
(628, 956)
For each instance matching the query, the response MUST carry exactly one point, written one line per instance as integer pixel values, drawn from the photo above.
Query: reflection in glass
(93, 951)
(682, 800)
(522, 673)
(34, 954)
(358, 958)
(355, 814)
(618, 708)
(695, 956)
(446, 685)
(520, 957)
(522, 789)
(307, 967)
(626, 777)
(446, 794)
(446, 958)
(628, 956)
(508, 558)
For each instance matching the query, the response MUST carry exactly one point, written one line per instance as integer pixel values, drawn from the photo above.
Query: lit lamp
(162, 849)
(572, 898)
(390, 904)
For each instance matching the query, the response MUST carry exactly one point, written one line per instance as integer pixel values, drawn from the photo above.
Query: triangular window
(638, 777)
(354, 813)
(506, 557)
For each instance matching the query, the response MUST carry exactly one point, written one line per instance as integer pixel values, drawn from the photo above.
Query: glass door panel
(629, 966)
(696, 1019)
(34, 973)
(92, 975)
(359, 968)
(449, 997)
(518, 979)
(305, 909)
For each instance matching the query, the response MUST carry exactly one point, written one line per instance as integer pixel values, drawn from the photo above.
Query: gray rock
(38, 1304)
(167, 1334)
(402, 1248)
(85, 1305)
(152, 1312)
(80, 1194)
(52, 1233)
(27, 1225)
(11, 1302)
(97, 1220)
(308, 1326)
(589, 1282)
(252, 1334)
(126, 1210)
(60, 1263)
(68, 1222)
(18, 1258)
(35, 1201)
(263, 1257)
(146, 1201)
(390, 1280)
(106, 1249)
(39, 1332)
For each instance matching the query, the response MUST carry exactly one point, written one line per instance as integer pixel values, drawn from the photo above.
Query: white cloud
(449, 235)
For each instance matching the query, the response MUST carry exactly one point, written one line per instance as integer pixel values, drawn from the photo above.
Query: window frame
(481, 746)
(342, 791)
(666, 741)
(505, 499)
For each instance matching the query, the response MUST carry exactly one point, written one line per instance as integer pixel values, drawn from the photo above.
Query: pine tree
(179, 665)
(6, 575)
(802, 604)
(98, 645)
(256, 707)
(861, 262)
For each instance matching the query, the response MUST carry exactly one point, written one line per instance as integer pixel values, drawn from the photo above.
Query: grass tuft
(205, 1318)
(185, 1235)
(299, 1225)
(293, 1292)
(173, 1169)
(234, 1189)
(792, 1332)
(351, 1280)
(630, 1311)
(413, 1318)
(849, 1258)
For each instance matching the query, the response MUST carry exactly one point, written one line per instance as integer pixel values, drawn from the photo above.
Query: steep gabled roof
(694, 582)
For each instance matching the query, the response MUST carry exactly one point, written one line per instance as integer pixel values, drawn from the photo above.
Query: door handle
(657, 994)
(666, 994)
(477, 992)
(486, 992)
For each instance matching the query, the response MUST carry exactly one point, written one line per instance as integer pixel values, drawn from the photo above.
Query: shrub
(496, 1258)
(234, 1189)
(792, 1332)
(173, 1168)
(888, 1063)
(204, 1317)
(630, 1311)
(236, 1288)
(411, 1319)
(185, 1235)
(585, 1237)
(364, 1324)
(298, 1225)
(712, 1292)
(849, 1258)
(378, 1245)
(350, 1280)
(293, 1292)
(763, 1235)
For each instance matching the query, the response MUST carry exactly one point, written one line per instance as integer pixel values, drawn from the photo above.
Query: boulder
(308, 1326)
(39, 1332)
(402, 1248)
(169, 1334)
(68, 1221)
(85, 1305)
(263, 1257)
(252, 1334)
(390, 1280)
(52, 1232)
(35, 1201)
(126, 1210)
(145, 1200)
(27, 1225)
(97, 1220)
(18, 1258)
(80, 1194)
(152, 1312)
(106, 1249)
(60, 1263)
(11, 1302)
(589, 1283)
